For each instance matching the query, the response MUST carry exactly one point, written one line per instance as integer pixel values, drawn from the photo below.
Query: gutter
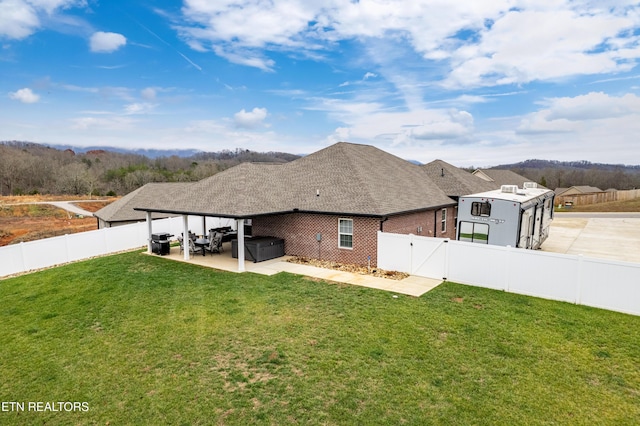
(384, 216)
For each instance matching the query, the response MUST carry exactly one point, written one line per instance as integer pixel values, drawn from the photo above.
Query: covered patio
(411, 286)
(225, 262)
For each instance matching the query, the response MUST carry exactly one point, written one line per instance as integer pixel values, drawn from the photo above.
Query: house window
(345, 233)
(474, 232)
(480, 209)
(443, 221)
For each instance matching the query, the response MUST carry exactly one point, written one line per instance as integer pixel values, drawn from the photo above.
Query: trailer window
(474, 232)
(480, 209)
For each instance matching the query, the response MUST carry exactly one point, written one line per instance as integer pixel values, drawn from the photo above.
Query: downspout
(435, 223)
(384, 219)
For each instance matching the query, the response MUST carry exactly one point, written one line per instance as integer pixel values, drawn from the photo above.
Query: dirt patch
(18, 199)
(93, 206)
(22, 222)
(355, 269)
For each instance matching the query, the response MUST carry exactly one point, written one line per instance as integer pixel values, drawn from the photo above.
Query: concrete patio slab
(412, 286)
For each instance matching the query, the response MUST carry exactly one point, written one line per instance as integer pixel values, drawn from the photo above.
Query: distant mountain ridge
(149, 153)
(575, 165)
(564, 174)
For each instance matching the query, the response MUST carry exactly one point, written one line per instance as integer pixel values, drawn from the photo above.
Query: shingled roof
(455, 182)
(122, 209)
(344, 178)
(502, 177)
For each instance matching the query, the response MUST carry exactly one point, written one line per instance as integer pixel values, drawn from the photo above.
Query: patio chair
(192, 246)
(215, 243)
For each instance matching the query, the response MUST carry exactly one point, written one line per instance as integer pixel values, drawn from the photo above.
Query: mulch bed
(355, 269)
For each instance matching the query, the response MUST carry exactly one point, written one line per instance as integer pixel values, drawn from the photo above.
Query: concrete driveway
(600, 235)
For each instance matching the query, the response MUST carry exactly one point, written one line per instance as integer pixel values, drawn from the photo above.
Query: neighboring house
(121, 212)
(456, 182)
(577, 190)
(501, 177)
(327, 205)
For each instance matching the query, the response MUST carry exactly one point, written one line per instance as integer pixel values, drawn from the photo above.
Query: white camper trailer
(509, 216)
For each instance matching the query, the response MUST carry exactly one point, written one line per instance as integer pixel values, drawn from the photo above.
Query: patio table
(202, 243)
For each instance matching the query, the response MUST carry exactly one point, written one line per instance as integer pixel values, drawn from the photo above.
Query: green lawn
(144, 340)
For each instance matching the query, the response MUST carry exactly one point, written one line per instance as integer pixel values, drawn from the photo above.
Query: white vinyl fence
(600, 283)
(48, 252)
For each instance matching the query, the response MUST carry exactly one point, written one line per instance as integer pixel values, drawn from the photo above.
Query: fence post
(579, 279)
(446, 259)
(507, 266)
(105, 238)
(66, 247)
(23, 257)
(411, 254)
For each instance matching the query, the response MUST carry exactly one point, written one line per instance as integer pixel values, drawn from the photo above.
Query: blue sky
(473, 83)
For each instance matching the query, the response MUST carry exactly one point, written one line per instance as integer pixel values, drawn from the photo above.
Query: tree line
(555, 174)
(30, 168)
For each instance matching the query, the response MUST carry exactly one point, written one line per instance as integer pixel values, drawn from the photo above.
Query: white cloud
(103, 42)
(21, 18)
(25, 95)
(529, 45)
(570, 114)
(148, 93)
(103, 123)
(139, 108)
(369, 121)
(251, 119)
(474, 43)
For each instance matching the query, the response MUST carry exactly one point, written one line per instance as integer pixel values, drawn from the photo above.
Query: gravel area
(355, 269)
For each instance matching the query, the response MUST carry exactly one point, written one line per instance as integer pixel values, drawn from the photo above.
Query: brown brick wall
(299, 232)
(427, 223)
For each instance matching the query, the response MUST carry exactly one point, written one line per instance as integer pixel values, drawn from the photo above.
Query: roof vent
(510, 189)
(528, 185)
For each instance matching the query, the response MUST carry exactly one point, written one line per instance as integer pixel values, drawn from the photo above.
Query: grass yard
(144, 340)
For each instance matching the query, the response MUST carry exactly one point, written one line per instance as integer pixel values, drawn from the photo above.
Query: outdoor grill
(160, 243)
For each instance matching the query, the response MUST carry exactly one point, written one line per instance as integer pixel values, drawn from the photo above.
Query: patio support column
(204, 227)
(185, 236)
(240, 223)
(149, 231)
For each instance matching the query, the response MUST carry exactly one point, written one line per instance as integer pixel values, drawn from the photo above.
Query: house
(121, 212)
(577, 190)
(456, 182)
(501, 177)
(327, 205)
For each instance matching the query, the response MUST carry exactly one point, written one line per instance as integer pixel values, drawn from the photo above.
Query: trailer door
(537, 231)
(526, 228)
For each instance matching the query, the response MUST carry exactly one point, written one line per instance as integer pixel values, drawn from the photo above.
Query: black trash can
(160, 243)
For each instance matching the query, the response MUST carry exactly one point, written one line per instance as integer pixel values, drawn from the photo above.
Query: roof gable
(455, 182)
(122, 210)
(502, 177)
(343, 178)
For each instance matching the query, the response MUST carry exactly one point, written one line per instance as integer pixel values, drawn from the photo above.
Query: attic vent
(510, 189)
(528, 185)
